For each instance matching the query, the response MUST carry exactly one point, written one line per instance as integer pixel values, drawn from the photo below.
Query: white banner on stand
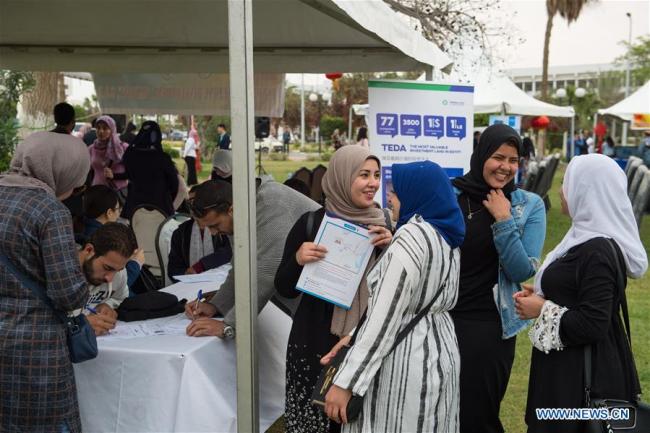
(415, 121)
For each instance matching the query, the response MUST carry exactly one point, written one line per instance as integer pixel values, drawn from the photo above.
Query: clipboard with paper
(336, 278)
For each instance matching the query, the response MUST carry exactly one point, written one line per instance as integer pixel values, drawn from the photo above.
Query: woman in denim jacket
(503, 243)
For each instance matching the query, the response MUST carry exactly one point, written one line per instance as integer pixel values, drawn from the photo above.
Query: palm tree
(569, 10)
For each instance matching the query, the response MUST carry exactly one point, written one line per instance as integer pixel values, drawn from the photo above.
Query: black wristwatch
(228, 332)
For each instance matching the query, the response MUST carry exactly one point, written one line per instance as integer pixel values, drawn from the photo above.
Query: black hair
(113, 237)
(130, 127)
(212, 195)
(363, 133)
(222, 125)
(298, 185)
(98, 199)
(63, 114)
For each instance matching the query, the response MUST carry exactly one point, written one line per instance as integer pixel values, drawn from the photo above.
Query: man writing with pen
(103, 259)
(278, 208)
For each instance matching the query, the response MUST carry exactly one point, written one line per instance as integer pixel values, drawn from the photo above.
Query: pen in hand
(196, 306)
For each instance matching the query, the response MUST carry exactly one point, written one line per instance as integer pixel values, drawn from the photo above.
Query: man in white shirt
(189, 154)
(103, 260)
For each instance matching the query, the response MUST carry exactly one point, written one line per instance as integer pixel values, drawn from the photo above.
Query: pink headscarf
(114, 147)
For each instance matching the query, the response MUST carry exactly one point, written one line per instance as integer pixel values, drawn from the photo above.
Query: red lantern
(334, 76)
(540, 122)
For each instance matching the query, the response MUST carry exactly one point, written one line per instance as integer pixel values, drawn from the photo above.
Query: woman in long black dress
(350, 184)
(153, 178)
(505, 229)
(577, 296)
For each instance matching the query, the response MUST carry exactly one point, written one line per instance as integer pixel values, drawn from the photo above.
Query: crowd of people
(456, 253)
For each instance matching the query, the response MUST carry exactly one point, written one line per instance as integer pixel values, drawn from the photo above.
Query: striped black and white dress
(414, 388)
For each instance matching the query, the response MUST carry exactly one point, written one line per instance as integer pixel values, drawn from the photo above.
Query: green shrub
(326, 156)
(329, 123)
(278, 156)
(171, 150)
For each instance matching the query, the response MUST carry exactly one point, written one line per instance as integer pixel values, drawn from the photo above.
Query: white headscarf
(595, 189)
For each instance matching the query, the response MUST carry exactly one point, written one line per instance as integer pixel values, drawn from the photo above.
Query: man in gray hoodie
(278, 208)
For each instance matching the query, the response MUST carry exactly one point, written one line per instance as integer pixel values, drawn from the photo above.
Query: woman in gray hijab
(36, 376)
(222, 165)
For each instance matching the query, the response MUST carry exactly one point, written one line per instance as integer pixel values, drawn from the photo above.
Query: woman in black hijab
(505, 229)
(153, 178)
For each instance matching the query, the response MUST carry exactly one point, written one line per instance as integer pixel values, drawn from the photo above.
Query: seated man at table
(103, 259)
(278, 208)
(194, 249)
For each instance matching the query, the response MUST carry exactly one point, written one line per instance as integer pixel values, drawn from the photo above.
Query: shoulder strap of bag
(35, 287)
(408, 328)
(620, 285)
(310, 224)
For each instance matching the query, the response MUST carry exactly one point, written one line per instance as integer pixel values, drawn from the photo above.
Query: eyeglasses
(199, 212)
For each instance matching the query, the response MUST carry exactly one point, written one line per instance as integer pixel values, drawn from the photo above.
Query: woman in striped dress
(413, 387)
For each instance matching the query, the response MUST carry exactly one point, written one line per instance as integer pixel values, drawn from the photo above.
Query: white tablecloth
(174, 383)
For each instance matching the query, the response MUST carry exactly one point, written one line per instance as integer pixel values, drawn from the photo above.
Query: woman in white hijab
(578, 293)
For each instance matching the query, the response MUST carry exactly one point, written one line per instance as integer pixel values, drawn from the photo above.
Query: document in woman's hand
(336, 277)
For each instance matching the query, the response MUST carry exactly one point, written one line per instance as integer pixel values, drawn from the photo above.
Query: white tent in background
(498, 94)
(637, 103)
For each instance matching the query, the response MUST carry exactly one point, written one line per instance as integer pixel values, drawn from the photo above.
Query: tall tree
(639, 53)
(461, 28)
(48, 90)
(12, 86)
(570, 11)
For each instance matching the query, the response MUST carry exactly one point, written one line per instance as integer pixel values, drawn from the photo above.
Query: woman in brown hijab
(350, 184)
(36, 376)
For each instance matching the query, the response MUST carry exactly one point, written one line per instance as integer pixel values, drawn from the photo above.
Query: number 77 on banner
(387, 124)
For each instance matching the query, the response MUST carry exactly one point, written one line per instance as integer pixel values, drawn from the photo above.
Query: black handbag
(150, 305)
(81, 340)
(626, 416)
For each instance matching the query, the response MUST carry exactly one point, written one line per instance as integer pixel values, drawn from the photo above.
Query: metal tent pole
(240, 49)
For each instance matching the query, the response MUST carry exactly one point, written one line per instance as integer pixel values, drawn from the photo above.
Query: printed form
(336, 278)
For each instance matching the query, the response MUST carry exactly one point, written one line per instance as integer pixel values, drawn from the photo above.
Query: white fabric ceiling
(207, 94)
(188, 36)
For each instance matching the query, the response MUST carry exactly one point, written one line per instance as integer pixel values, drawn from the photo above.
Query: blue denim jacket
(518, 241)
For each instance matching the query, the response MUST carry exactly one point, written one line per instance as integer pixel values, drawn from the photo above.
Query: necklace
(469, 210)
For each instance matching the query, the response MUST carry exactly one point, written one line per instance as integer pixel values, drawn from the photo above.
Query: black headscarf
(149, 137)
(492, 138)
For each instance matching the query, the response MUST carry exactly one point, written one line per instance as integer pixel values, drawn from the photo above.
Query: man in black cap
(64, 118)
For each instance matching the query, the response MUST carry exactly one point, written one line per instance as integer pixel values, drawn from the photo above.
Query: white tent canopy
(192, 36)
(637, 103)
(498, 94)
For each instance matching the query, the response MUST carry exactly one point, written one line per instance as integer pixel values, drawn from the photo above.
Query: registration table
(176, 383)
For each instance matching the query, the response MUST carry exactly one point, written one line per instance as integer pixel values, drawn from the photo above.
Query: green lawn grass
(514, 403)
(280, 170)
